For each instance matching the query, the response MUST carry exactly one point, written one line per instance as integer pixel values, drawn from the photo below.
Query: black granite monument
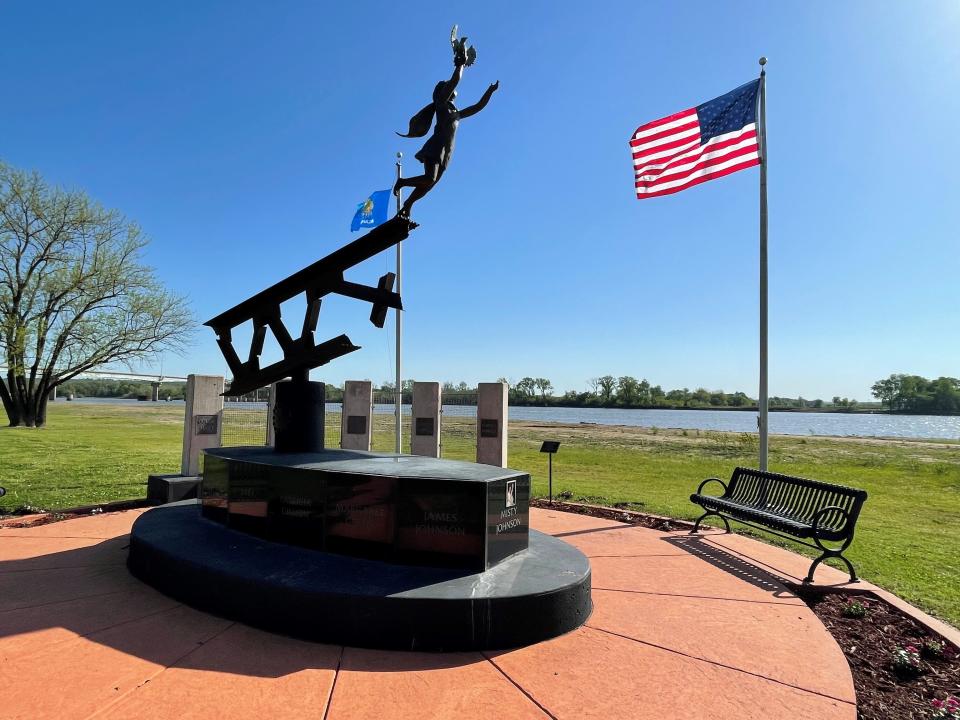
(357, 548)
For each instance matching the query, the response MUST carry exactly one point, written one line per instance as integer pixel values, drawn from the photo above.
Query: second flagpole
(764, 394)
(398, 389)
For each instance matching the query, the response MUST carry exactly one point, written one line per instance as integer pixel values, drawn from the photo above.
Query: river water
(782, 423)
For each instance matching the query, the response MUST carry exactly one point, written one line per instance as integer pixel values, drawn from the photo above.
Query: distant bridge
(155, 379)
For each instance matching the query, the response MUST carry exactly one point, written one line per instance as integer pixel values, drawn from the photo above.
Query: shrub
(854, 609)
(906, 662)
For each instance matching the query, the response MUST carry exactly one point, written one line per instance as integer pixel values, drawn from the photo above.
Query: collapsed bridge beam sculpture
(322, 278)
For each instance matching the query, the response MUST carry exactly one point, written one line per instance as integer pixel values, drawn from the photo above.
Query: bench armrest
(818, 515)
(713, 479)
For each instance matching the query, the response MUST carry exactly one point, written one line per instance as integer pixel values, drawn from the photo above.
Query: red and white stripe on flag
(670, 155)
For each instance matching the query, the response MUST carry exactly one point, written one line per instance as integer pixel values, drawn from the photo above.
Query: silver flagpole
(764, 394)
(398, 390)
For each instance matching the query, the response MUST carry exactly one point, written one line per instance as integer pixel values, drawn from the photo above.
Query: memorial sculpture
(347, 546)
(438, 150)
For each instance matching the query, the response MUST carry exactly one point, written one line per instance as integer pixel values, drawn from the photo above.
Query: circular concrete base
(534, 595)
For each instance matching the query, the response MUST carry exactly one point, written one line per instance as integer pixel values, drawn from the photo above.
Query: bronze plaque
(489, 428)
(205, 425)
(356, 424)
(424, 426)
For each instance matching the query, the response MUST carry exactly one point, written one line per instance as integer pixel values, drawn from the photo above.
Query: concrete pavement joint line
(159, 672)
(98, 630)
(62, 567)
(518, 687)
(333, 685)
(706, 597)
(720, 664)
(651, 555)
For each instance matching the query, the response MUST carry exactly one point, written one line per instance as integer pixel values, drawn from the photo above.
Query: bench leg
(707, 514)
(827, 553)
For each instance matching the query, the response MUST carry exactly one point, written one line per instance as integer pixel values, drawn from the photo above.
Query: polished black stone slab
(531, 596)
(397, 508)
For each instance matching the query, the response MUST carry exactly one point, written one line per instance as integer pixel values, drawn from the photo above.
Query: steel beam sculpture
(302, 353)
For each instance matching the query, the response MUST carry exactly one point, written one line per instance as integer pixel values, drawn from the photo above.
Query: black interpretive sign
(489, 428)
(205, 425)
(356, 424)
(424, 426)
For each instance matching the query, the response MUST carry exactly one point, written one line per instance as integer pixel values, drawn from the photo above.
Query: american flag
(692, 146)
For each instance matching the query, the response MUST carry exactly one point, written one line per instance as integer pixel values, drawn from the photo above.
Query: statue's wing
(471, 55)
(420, 123)
(453, 36)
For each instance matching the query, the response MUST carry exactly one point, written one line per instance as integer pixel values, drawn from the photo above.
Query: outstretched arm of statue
(474, 109)
(451, 84)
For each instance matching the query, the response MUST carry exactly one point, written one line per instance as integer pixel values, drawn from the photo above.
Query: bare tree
(74, 293)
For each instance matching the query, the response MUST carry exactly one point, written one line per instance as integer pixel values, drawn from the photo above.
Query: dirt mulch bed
(869, 642)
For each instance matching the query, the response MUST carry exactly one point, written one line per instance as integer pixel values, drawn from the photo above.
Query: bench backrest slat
(796, 498)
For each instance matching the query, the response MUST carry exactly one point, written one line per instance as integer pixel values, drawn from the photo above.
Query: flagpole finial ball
(763, 61)
(399, 155)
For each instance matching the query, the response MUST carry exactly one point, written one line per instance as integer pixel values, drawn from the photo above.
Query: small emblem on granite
(511, 493)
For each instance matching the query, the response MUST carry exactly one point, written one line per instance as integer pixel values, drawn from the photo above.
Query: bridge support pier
(155, 391)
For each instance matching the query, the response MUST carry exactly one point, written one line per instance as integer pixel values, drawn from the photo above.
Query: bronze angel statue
(437, 151)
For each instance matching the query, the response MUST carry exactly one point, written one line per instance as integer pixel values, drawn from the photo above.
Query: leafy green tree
(527, 387)
(544, 386)
(607, 384)
(627, 387)
(74, 293)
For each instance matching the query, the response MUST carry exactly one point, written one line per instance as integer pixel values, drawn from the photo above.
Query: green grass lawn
(907, 537)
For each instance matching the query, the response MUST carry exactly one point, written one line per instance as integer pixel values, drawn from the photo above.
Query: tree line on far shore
(918, 395)
(899, 393)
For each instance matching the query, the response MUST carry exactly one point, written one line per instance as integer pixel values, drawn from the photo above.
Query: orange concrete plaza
(683, 627)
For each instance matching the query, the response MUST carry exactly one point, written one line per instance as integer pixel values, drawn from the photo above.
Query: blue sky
(242, 136)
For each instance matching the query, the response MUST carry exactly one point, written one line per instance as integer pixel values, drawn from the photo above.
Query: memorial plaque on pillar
(206, 424)
(489, 428)
(356, 424)
(424, 426)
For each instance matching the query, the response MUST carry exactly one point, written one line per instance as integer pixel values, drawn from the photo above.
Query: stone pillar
(356, 420)
(492, 409)
(52, 395)
(201, 420)
(425, 421)
(155, 391)
(271, 406)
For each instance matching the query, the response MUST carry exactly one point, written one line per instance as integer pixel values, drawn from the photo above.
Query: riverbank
(906, 539)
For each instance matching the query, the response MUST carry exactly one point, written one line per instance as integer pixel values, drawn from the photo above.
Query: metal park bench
(793, 508)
